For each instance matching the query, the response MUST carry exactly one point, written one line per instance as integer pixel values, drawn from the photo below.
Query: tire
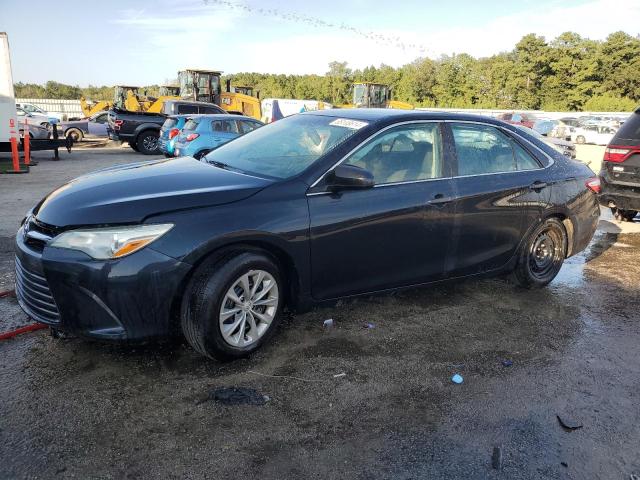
(134, 146)
(147, 142)
(580, 139)
(75, 134)
(201, 154)
(542, 255)
(208, 294)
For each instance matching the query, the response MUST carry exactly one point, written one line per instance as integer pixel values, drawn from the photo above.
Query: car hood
(130, 193)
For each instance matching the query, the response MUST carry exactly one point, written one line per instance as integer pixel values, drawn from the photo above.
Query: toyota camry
(312, 208)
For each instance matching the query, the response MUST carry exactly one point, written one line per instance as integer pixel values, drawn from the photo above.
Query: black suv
(620, 173)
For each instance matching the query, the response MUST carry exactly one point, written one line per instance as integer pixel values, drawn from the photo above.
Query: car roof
(379, 114)
(192, 102)
(223, 116)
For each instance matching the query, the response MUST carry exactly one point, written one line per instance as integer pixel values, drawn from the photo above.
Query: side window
(246, 127)
(210, 110)
(224, 126)
(402, 154)
(483, 149)
(524, 160)
(101, 118)
(516, 117)
(187, 109)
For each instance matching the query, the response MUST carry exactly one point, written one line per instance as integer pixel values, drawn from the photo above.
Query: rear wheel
(231, 307)
(542, 255)
(74, 134)
(147, 142)
(580, 139)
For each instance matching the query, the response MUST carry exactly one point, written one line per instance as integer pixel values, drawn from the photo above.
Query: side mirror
(349, 177)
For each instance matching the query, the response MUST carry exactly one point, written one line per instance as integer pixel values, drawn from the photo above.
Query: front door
(394, 234)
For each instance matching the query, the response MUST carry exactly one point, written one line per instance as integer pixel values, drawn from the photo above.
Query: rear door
(500, 191)
(223, 131)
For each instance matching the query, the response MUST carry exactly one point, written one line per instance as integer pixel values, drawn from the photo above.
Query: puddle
(571, 274)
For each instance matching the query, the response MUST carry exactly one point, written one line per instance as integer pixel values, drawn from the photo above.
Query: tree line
(568, 73)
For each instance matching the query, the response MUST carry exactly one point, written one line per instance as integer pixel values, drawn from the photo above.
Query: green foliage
(609, 103)
(569, 73)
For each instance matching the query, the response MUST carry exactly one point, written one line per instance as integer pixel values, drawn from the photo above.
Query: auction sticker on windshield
(352, 124)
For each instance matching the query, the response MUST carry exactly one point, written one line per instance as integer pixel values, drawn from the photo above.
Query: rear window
(211, 109)
(169, 123)
(191, 124)
(187, 109)
(630, 129)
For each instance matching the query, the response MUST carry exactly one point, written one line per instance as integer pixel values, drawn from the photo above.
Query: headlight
(112, 242)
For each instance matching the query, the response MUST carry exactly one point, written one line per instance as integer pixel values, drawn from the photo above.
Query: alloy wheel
(150, 142)
(248, 308)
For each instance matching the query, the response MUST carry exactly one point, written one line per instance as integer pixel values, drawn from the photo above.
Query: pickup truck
(141, 129)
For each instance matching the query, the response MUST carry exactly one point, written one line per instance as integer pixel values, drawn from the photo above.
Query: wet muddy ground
(72, 409)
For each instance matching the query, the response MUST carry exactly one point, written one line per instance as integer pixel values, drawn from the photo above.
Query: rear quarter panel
(570, 198)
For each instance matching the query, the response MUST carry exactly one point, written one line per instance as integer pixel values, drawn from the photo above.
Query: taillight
(117, 124)
(173, 132)
(618, 154)
(593, 184)
(192, 136)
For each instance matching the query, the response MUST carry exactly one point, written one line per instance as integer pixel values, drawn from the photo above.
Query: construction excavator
(197, 85)
(374, 95)
(205, 86)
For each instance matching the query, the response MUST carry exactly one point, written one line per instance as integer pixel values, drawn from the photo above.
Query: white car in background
(34, 118)
(35, 110)
(596, 134)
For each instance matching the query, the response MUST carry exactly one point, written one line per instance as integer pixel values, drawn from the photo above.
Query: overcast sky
(144, 42)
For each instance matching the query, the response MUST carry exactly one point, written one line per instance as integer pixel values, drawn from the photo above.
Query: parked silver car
(36, 132)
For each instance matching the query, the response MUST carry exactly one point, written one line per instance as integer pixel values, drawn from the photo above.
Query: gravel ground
(74, 409)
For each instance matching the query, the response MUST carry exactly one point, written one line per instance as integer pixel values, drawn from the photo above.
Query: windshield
(285, 148)
(359, 92)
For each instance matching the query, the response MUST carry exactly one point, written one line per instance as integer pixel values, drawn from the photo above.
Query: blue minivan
(203, 133)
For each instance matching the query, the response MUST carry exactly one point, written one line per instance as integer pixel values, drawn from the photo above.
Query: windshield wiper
(218, 164)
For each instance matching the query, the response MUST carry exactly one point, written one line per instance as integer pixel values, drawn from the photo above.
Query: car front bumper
(129, 299)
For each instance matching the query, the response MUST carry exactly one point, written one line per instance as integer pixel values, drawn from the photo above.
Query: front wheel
(542, 255)
(134, 146)
(581, 140)
(231, 307)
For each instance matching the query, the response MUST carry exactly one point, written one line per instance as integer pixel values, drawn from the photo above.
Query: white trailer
(8, 116)
(276, 108)
(9, 125)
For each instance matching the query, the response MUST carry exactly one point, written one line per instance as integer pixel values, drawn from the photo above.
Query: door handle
(439, 199)
(538, 185)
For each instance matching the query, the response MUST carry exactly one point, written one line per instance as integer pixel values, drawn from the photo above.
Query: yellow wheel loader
(374, 95)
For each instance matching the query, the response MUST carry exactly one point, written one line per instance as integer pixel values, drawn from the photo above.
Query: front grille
(38, 234)
(34, 295)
